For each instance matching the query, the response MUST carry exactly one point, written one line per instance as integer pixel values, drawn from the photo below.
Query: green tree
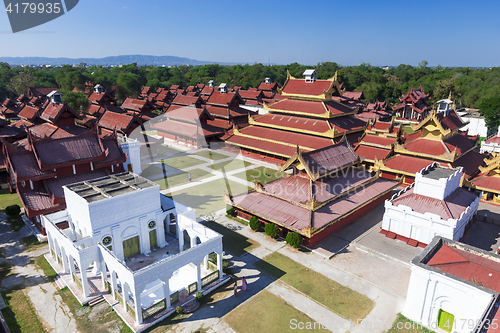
(21, 82)
(490, 109)
(78, 101)
(128, 85)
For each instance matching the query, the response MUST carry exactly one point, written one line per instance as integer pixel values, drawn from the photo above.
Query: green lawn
(44, 265)
(341, 300)
(211, 155)
(208, 197)
(232, 241)
(268, 313)
(196, 174)
(164, 150)
(19, 314)
(411, 327)
(32, 243)
(99, 319)
(181, 162)
(231, 165)
(408, 130)
(7, 198)
(263, 174)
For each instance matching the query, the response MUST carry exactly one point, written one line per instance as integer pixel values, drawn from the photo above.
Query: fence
(486, 219)
(192, 287)
(212, 266)
(209, 278)
(107, 286)
(174, 298)
(77, 281)
(118, 297)
(154, 309)
(130, 309)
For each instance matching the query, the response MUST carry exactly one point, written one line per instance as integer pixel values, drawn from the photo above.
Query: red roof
(299, 217)
(267, 86)
(224, 99)
(187, 100)
(488, 182)
(247, 94)
(223, 111)
(427, 146)
(370, 153)
(293, 138)
(459, 143)
(407, 164)
(468, 266)
(450, 208)
(450, 120)
(301, 87)
(29, 113)
(260, 145)
(378, 140)
(53, 111)
(135, 104)
(120, 121)
(354, 95)
(41, 91)
(310, 107)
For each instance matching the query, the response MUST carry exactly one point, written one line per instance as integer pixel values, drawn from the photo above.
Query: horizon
(446, 33)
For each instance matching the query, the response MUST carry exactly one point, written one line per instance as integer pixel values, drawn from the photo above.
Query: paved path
(51, 310)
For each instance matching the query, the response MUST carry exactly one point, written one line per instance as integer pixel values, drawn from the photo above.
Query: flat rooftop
(110, 186)
(439, 172)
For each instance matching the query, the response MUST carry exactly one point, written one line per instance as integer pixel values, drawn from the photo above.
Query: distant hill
(115, 60)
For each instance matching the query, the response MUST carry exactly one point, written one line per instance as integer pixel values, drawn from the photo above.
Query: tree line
(470, 87)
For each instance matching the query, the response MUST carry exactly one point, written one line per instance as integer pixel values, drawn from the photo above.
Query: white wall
(403, 221)
(437, 188)
(428, 292)
(132, 148)
(475, 126)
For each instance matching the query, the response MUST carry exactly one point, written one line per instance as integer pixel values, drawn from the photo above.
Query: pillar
(85, 283)
(205, 261)
(113, 283)
(198, 275)
(125, 294)
(104, 275)
(71, 267)
(219, 263)
(192, 241)
(64, 261)
(137, 306)
(180, 236)
(166, 292)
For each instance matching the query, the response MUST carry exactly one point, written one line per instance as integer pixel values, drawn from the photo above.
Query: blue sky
(448, 33)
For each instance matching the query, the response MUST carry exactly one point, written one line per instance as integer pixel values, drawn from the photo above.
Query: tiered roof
(326, 189)
(415, 99)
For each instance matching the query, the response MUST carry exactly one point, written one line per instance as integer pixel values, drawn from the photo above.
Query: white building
(131, 147)
(491, 144)
(124, 236)
(434, 205)
(476, 122)
(454, 287)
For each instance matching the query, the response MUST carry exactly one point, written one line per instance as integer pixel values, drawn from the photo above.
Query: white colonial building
(120, 234)
(454, 287)
(434, 205)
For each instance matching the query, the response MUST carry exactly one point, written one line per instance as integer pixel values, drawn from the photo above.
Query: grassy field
(32, 243)
(263, 175)
(99, 319)
(208, 197)
(267, 313)
(230, 166)
(167, 151)
(408, 129)
(341, 300)
(211, 155)
(196, 174)
(44, 265)
(19, 314)
(7, 198)
(232, 241)
(181, 162)
(405, 325)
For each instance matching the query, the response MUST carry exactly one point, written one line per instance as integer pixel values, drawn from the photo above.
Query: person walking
(235, 289)
(189, 176)
(243, 284)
